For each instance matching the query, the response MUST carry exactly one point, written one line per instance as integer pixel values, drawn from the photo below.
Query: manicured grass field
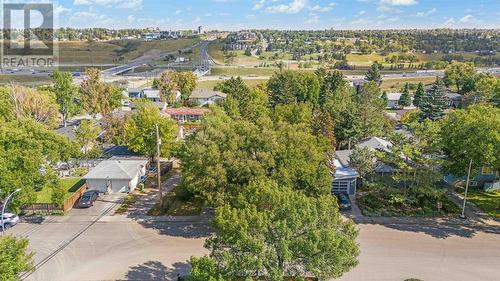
(210, 84)
(243, 71)
(489, 202)
(215, 52)
(69, 184)
(398, 84)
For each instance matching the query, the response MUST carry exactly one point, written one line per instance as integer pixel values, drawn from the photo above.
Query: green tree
(472, 133)
(38, 105)
(98, 97)
(419, 95)
(293, 86)
(140, 131)
(248, 52)
(27, 149)
(226, 154)
(235, 86)
(405, 99)
(67, 95)
(461, 75)
(487, 90)
(14, 257)
(113, 126)
(204, 269)
(385, 99)
(167, 84)
(434, 102)
(371, 110)
(86, 135)
(373, 74)
(277, 232)
(186, 83)
(363, 160)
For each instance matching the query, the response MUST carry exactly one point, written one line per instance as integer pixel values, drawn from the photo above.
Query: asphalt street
(94, 244)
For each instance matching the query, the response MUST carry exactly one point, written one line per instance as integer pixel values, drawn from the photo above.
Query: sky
(277, 14)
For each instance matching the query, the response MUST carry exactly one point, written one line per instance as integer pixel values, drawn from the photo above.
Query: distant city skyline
(277, 14)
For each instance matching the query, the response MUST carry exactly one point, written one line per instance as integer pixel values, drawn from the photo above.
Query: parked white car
(9, 220)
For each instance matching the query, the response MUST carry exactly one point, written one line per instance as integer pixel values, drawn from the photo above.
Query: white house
(118, 175)
(204, 97)
(151, 94)
(393, 100)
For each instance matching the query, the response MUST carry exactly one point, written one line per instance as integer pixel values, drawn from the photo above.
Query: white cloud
(362, 12)
(292, 8)
(127, 4)
(177, 12)
(426, 13)
(259, 4)
(469, 19)
(322, 9)
(398, 2)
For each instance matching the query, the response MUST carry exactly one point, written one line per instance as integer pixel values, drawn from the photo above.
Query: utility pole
(462, 216)
(158, 172)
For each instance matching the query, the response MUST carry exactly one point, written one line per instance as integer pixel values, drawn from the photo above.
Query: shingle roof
(375, 143)
(343, 156)
(205, 94)
(116, 169)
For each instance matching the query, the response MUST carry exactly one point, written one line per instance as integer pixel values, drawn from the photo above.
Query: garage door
(340, 187)
(99, 185)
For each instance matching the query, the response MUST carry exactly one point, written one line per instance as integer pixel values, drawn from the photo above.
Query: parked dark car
(88, 198)
(344, 202)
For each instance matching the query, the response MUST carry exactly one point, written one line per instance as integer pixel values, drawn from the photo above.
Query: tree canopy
(140, 132)
(14, 257)
(472, 133)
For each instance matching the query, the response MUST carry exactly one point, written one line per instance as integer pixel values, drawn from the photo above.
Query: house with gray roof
(204, 97)
(344, 180)
(116, 175)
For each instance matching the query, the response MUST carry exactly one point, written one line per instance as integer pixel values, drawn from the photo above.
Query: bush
(380, 200)
(80, 172)
(58, 195)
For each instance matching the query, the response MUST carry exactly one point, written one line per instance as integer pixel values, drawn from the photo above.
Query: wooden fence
(48, 207)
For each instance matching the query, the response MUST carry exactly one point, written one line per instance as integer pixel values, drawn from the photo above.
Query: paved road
(131, 247)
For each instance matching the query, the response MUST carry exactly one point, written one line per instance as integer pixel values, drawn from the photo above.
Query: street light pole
(5, 205)
(158, 172)
(462, 216)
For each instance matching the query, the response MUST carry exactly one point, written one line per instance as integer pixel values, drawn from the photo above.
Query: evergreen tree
(419, 95)
(434, 102)
(384, 98)
(405, 99)
(374, 74)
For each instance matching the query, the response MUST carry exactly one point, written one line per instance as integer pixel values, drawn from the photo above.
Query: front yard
(70, 185)
(489, 202)
(380, 200)
(178, 202)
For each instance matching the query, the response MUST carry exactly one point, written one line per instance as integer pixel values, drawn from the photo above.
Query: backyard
(70, 185)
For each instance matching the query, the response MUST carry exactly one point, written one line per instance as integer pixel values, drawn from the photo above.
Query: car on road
(9, 220)
(88, 198)
(344, 201)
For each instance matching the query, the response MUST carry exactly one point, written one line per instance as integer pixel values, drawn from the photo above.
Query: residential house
(204, 97)
(344, 179)
(151, 94)
(134, 93)
(119, 175)
(374, 144)
(393, 101)
(186, 114)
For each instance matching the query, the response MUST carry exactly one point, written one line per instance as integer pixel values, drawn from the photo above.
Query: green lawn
(210, 84)
(69, 184)
(489, 202)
